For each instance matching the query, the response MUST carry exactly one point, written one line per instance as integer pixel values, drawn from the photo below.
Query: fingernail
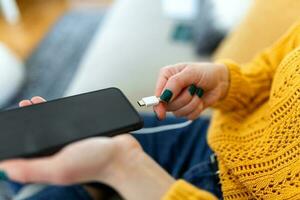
(199, 92)
(166, 95)
(3, 176)
(192, 89)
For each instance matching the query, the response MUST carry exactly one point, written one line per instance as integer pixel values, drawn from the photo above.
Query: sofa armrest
(12, 73)
(132, 44)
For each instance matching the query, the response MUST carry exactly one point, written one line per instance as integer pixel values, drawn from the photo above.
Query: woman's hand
(176, 85)
(83, 161)
(119, 162)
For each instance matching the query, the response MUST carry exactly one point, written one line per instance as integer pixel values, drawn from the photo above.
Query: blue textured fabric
(76, 192)
(183, 152)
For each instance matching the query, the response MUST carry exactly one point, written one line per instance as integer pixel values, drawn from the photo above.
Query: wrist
(126, 150)
(144, 179)
(135, 175)
(224, 80)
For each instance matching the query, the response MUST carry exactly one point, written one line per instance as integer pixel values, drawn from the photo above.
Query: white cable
(163, 128)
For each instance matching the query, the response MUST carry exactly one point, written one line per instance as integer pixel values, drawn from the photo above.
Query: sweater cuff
(181, 190)
(232, 97)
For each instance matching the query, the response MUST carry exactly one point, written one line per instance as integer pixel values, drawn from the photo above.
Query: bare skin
(213, 78)
(120, 161)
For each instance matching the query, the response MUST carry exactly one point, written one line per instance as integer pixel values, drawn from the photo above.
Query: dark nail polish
(192, 89)
(166, 95)
(199, 92)
(3, 176)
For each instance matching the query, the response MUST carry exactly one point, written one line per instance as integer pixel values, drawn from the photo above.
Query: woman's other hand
(82, 161)
(119, 162)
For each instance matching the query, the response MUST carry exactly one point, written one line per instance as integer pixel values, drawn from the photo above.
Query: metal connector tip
(141, 103)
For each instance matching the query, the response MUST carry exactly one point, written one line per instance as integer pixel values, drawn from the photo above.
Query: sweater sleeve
(181, 190)
(250, 84)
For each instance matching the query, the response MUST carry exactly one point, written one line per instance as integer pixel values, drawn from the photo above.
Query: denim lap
(183, 152)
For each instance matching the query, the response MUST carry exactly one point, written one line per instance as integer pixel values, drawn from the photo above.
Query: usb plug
(149, 101)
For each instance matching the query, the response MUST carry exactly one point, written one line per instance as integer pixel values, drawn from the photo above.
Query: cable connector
(149, 101)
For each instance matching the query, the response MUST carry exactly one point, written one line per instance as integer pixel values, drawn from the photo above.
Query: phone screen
(45, 128)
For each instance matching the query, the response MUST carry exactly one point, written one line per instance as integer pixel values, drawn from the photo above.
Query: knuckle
(176, 80)
(163, 70)
(190, 69)
(195, 104)
(177, 114)
(127, 142)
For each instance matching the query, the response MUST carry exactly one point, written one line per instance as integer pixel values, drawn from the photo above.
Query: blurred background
(58, 48)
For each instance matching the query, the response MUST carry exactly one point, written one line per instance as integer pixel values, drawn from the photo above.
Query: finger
(37, 99)
(29, 171)
(48, 170)
(194, 115)
(183, 99)
(165, 74)
(161, 82)
(177, 83)
(25, 103)
(189, 108)
(211, 97)
(160, 111)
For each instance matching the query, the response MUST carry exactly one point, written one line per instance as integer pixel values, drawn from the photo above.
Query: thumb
(27, 171)
(41, 170)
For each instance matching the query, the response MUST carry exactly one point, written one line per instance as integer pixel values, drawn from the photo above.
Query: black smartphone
(43, 129)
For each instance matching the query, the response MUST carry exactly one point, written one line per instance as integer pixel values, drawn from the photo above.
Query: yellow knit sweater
(255, 131)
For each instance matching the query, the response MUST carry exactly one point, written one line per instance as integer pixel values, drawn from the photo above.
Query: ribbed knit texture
(255, 131)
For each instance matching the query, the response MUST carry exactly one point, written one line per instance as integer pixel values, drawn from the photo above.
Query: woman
(254, 136)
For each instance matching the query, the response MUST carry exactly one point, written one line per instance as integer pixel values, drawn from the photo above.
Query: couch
(127, 52)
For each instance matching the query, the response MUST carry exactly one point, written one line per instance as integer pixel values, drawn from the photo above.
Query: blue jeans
(179, 146)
